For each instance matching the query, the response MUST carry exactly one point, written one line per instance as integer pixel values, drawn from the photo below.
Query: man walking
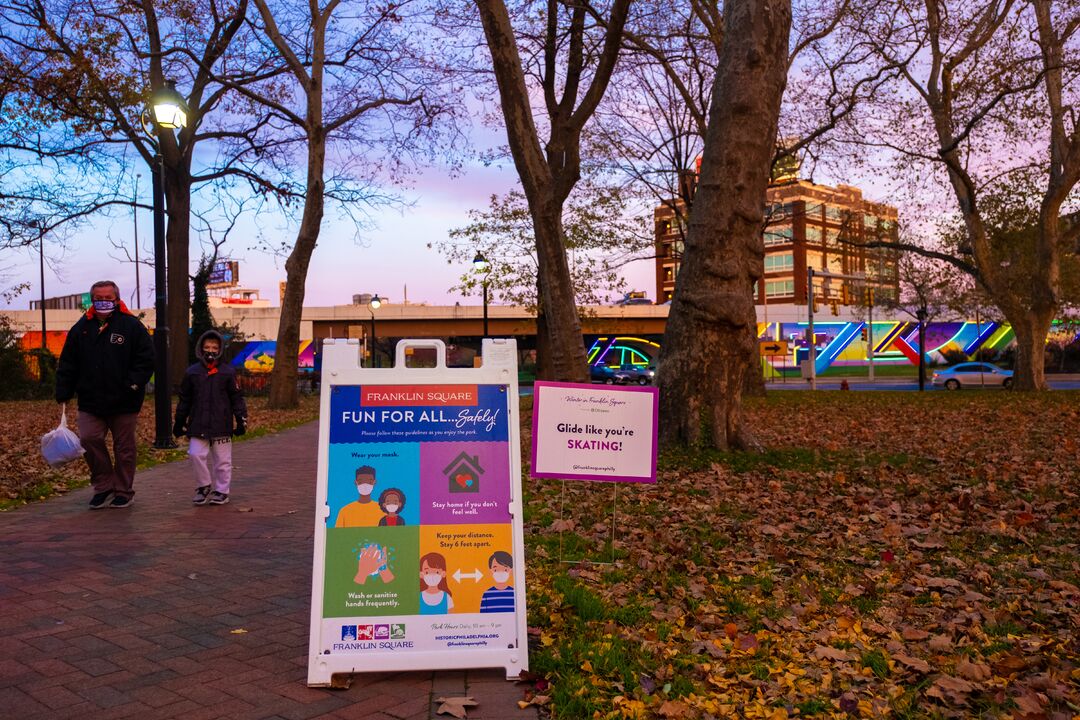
(107, 360)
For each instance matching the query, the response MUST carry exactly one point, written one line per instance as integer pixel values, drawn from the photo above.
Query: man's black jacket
(209, 397)
(107, 365)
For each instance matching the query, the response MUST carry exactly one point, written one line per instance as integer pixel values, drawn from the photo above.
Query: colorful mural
(607, 350)
(257, 356)
(895, 342)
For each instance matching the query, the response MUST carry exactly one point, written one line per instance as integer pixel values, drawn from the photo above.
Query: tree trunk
(1031, 328)
(283, 390)
(711, 331)
(177, 238)
(543, 338)
(561, 324)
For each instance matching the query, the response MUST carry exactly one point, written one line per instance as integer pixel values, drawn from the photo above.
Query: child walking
(210, 411)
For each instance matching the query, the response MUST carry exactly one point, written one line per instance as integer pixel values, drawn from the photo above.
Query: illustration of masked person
(364, 511)
(499, 597)
(435, 597)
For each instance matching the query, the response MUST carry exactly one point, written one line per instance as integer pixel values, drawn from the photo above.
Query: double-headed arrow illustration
(476, 575)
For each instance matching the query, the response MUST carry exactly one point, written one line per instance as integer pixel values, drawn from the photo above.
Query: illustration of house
(463, 473)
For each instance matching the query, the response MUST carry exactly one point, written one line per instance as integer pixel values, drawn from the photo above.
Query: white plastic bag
(61, 445)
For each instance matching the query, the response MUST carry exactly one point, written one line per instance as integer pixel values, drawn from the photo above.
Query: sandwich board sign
(419, 557)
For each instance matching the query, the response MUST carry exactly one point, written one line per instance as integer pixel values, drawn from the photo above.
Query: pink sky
(390, 257)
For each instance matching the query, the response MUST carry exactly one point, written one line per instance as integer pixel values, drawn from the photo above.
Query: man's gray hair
(106, 283)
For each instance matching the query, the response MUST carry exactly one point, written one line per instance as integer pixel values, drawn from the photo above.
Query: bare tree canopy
(76, 78)
(711, 329)
(983, 110)
(567, 58)
(362, 82)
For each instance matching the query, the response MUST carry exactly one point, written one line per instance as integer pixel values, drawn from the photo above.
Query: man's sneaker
(119, 501)
(201, 495)
(218, 498)
(98, 501)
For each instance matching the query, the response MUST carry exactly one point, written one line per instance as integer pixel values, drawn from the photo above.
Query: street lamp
(374, 305)
(165, 112)
(41, 257)
(481, 264)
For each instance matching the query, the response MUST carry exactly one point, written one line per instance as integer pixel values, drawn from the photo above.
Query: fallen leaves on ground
(25, 476)
(890, 555)
(455, 706)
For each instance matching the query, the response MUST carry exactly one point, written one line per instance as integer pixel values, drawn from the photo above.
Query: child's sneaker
(218, 498)
(201, 495)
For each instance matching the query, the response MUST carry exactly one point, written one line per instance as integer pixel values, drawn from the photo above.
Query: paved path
(132, 613)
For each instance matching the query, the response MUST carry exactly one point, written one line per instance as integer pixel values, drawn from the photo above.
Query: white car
(973, 374)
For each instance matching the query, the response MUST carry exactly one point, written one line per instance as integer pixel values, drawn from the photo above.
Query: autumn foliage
(891, 556)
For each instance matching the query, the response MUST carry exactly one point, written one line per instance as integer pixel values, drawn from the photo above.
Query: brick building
(807, 225)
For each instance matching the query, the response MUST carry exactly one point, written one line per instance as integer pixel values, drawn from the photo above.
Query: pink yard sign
(594, 432)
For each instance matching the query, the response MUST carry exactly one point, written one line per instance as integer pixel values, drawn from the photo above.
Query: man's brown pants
(105, 475)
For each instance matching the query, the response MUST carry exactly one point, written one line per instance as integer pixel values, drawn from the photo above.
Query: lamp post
(41, 256)
(166, 111)
(376, 301)
(481, 264)
(135, 224)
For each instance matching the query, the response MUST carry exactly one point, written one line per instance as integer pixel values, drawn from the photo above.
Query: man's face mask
(365, 488)
(104, 307)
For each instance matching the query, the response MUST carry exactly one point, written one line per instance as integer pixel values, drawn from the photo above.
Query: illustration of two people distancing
(385, 509)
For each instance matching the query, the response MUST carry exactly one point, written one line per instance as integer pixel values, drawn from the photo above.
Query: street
(1056, 382)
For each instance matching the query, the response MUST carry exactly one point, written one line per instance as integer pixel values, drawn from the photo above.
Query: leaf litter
(890, 555)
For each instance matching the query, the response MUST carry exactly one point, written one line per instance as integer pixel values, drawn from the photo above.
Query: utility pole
(921, 314)
(870, 331)
(810, 326)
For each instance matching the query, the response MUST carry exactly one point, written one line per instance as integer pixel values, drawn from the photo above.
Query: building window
(869, 221)
(779, 288)
(779, 262)
(813, 234)
(780, 235)
(834, 214)
(815, 260)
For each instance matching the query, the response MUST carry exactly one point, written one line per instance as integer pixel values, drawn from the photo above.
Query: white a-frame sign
(419, 558)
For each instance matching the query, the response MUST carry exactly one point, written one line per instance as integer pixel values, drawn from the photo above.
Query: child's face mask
(392, 508)
(500, 577)
(432, 579)
(210, 355)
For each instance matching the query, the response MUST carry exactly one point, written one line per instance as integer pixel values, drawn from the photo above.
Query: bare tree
(580, 55)
(710, 331)
(361, 80)
(76, 76)
(987, 96)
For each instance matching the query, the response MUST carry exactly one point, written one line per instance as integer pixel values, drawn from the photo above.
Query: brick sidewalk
(131, 613)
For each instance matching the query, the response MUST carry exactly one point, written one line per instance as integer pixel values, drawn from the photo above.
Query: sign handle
(438, 345)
